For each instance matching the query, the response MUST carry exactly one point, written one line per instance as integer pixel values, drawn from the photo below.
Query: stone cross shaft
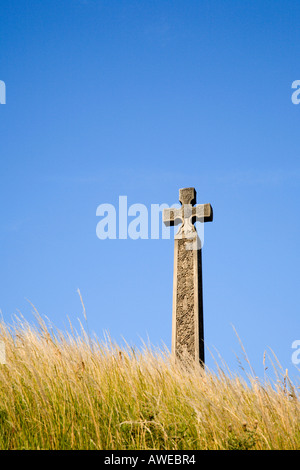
(187, 321)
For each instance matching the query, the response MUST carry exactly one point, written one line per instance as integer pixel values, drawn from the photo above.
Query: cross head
(187, 214)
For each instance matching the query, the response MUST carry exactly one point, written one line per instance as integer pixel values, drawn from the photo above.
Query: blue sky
(141, 98)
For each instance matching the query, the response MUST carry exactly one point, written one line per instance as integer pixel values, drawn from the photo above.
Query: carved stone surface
(185, 330)
(187, 323)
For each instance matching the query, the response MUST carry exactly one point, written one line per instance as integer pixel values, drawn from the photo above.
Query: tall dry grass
(66, 391)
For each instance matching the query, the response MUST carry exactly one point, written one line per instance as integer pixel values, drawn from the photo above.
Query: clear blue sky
(140, 98)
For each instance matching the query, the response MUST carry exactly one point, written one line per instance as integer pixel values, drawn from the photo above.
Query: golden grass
(65, 391)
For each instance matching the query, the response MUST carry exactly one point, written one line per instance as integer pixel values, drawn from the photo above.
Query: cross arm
(202, 213)
(172, 217)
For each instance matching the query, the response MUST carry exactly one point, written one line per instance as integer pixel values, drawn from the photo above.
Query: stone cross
(187, 322)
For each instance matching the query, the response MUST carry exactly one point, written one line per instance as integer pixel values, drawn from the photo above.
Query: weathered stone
(187, 322)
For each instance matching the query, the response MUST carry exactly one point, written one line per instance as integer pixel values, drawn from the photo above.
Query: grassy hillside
(62, 391)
